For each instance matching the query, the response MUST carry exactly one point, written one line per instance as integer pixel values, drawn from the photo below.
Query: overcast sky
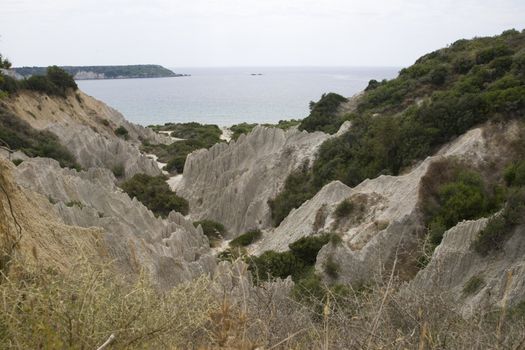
(190, 33)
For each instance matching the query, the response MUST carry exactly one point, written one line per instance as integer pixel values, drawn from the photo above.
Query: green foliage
(499, 227)
(195, 136)
(297, 189)
(306, 248)
(464, 197)
(515, 174)
(297, 262)
(473, 285)
(242, 128)
(55, 82)
(324, 114)
(276, 265)
(155, 194)
(61, 79)
(19, 135)
(246, 238)
(4, 62)
(119, 171)
(245, 128)
(212, 229)
(343, 209)
(17, 162)
(122, 132)
(397, 122)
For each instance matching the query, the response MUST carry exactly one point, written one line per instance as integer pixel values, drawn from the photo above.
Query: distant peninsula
(106, 72)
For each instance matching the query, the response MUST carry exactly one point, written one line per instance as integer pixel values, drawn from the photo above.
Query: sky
(209, 33)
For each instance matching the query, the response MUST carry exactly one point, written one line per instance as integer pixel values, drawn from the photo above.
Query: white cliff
(172, 250)
(232, 183)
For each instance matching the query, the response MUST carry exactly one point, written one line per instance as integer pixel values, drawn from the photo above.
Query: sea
(227, 96)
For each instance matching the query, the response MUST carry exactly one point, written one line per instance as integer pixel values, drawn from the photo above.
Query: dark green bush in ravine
(155, 194)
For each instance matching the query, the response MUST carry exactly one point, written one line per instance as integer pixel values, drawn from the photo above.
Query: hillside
(105, 72)
(391, 219)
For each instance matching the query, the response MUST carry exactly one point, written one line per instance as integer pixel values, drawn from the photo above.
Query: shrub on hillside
(19, 135)
(324, 114)
(155, 194)
(500, 226)
(246, 238)
(212, 229)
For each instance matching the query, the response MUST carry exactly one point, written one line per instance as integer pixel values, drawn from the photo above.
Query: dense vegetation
(501, 225)
(324, 114)
(55, 81)
(195, 136)
(155, 194)
(246, 238)
(109, 72)
(17, 134)
(298, 262)
(245, 128)
(400, 121)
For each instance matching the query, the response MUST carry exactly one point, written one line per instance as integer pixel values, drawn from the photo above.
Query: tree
(4, 62)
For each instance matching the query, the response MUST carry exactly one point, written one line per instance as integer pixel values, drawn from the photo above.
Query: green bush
(324, 114)
(155, 194)
(306, 248)
(499, 227)
(195, 136)
(119, 171)
(296, 263)
(122, 132)
(246, 238)
(212, 229)
(19, 135)
(465, 197)
(473, 285)
(56, 82)
(297, 189)
(343, 209)
(514, 175)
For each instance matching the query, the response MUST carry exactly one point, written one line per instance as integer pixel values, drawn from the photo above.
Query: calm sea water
(227, 96)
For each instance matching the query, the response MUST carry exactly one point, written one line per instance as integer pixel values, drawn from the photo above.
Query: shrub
(212, 229)
(500, 226)
(514, 174)
(246, 238)
(324, 114)
(19, 135)
(122, 132)
(297, 189)
(473, 285)
(195, 136)
(343, 209)
(306, 248)
(296, 263)
(17, 162)
(61, 79)
(275, 265)
(155, 194)
(119, 171)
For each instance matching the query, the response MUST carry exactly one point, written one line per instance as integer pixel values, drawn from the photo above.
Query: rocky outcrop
(232, 183)
(86, 127)
(384, 221)
(499, 278)
(172, 250)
